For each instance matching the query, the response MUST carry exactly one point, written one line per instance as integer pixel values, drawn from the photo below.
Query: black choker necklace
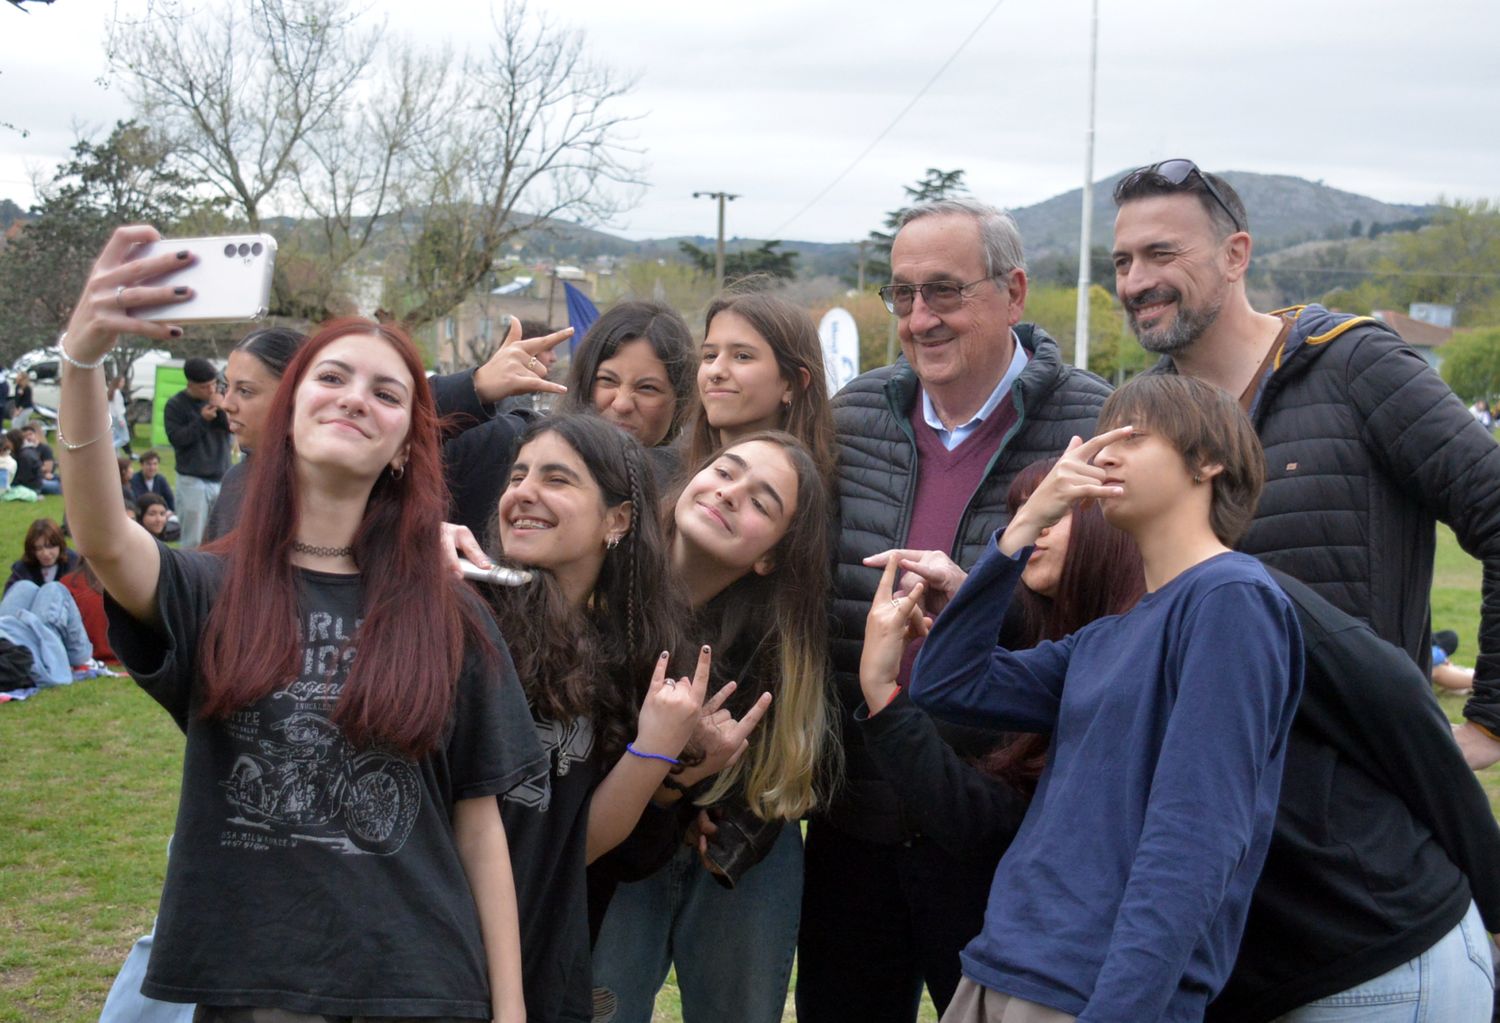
(321, 552)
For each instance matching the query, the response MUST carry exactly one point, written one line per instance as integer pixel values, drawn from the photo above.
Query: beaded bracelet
(630, 748)
(63, 351)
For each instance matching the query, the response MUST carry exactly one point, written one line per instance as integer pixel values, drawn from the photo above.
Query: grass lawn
(88, 783)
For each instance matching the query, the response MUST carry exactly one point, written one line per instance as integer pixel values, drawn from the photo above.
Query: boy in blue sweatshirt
(1124, 894)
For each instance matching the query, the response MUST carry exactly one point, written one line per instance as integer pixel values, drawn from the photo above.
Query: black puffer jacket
(876, 479)
(1365, 448)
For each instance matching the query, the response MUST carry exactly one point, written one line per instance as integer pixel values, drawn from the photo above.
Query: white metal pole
(1086, 231)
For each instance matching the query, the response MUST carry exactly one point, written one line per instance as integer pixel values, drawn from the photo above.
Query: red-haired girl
(350, 713)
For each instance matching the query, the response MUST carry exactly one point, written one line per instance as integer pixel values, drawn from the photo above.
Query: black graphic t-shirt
(546, 823)
(308, 874)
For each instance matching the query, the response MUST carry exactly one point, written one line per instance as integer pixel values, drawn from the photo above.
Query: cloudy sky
(773, 99)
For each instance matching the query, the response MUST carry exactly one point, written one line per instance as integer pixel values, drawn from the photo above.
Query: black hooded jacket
(1366, 449)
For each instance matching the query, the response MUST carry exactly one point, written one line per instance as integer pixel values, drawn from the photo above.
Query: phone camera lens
(257, 248)
(229, 249)
(244, 249)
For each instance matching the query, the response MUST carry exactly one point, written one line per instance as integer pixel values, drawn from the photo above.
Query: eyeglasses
(939, 296)
(1177, 173)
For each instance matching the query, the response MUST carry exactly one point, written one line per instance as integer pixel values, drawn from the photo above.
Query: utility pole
(1086, 232)
(860, 287)
(723, 197)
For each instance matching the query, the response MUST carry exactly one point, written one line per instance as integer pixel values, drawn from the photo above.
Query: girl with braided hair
(591, 636)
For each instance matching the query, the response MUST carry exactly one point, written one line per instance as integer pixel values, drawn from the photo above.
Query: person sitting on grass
(150, 480)
(46, 557)
(34, 436)
(7, 462)
(151, 512)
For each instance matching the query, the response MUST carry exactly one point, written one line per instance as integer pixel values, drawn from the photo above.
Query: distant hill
(1283, 210)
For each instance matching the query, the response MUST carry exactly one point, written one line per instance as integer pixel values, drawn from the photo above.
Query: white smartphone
(230, 278)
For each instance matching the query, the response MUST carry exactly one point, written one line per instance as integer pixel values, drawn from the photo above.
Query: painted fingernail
(180, 290)
(184, 254)
(664, 656)
(705, 648)
(175, 331)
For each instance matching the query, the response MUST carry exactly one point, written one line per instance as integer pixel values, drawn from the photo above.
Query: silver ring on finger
(535, 364)
(119, 292)
(896, 603)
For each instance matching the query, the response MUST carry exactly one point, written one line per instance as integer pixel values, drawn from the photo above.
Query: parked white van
(41, 365)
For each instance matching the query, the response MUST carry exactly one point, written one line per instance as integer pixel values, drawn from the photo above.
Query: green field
(88, 782)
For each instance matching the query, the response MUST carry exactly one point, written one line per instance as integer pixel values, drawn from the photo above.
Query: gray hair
(998, 235)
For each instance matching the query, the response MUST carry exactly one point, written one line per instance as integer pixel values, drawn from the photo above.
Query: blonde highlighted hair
(794, 757)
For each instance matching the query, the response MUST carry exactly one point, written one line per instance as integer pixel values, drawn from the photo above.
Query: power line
(780, 231)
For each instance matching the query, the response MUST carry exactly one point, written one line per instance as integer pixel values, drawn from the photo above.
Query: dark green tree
(763, 261)
(934, 185)
(126, 178)
(1471, 364)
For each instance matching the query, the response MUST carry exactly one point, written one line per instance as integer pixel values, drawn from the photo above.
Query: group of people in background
(1091, 704)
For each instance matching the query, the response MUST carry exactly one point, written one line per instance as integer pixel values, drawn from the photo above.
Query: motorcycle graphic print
(566, 745)
(309, 784)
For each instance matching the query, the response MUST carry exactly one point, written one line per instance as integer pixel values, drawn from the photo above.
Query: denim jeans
(733, 948)
(55, 607)
(1452, 982)
(126, 1004)
(195, 499)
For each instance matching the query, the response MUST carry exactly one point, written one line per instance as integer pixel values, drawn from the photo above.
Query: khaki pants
(973, 1003)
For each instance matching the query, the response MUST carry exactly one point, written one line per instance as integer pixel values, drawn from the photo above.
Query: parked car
(41, 364)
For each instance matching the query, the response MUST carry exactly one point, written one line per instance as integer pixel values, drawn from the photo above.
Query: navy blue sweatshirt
(1124, 894)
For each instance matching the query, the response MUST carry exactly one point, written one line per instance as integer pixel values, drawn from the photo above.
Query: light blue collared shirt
(953, 438)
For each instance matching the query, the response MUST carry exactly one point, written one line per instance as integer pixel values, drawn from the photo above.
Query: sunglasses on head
(1177, 172)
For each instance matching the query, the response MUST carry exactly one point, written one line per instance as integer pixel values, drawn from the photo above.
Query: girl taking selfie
(349, 711)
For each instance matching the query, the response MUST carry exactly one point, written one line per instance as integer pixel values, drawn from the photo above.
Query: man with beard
(1366, 448)
(1365, 444)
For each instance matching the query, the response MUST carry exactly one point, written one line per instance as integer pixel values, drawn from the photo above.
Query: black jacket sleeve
(476, 464)
(1434, 449)
(458, 405)
(966, 812)
(1367, 700)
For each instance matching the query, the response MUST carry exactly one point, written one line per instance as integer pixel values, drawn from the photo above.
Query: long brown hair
(401, 686)
(46, 533)
(793, 758)
(793, 339)
(597, 661)
(1101, 575)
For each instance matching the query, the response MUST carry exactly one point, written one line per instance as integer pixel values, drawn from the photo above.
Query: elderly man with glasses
(927, 451)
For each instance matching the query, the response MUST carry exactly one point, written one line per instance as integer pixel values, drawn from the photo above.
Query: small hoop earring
(397, 471)
(1197, 478)
(611, 543)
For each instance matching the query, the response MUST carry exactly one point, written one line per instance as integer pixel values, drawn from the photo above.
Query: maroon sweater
(946, 481)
